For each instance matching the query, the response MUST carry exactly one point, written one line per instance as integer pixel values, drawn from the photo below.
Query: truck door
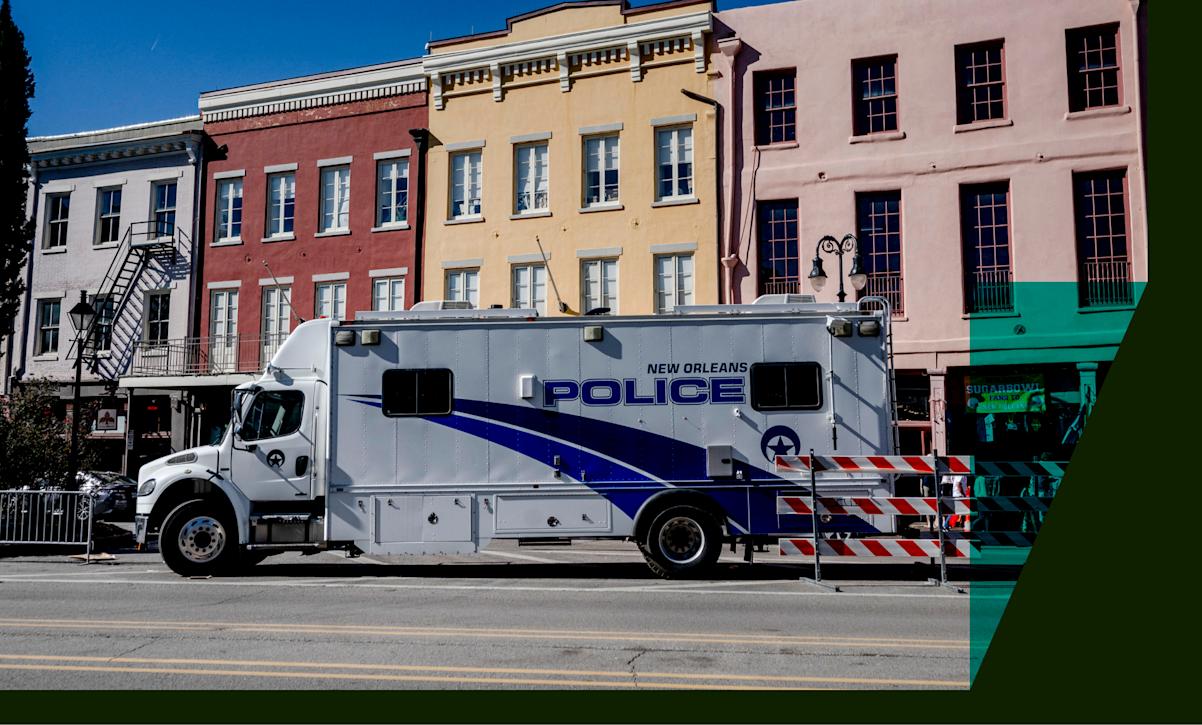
(273, 448)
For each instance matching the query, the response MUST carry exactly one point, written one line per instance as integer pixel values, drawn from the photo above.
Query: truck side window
(786, 386)
(274, 413)
(418, 392)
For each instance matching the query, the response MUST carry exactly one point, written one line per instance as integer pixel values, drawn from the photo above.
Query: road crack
(630, 663)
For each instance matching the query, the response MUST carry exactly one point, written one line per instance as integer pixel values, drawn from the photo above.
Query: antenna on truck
(283, 291)
(562, 307)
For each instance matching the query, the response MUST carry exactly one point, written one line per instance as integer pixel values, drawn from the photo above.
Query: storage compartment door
(446, 518)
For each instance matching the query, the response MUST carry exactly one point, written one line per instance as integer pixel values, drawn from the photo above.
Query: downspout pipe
(717, 180)
(421, 137)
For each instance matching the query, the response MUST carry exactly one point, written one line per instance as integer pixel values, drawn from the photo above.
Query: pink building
(989, 158)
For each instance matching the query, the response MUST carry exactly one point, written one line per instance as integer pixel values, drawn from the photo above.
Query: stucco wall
(1037, 152)
(600, 94)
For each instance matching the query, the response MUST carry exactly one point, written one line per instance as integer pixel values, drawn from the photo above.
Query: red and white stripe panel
(872, 464)
(877, 548)
(889, 506)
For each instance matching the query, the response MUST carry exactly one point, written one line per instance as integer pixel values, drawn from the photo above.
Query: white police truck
(440, 430)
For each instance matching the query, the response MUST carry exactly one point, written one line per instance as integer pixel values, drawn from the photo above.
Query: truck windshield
(273, 413)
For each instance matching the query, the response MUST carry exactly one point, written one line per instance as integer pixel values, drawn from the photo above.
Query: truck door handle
(302, 465)
(432, 518)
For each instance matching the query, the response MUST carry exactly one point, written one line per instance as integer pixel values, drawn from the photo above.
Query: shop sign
(106, 419)
(1006, 394)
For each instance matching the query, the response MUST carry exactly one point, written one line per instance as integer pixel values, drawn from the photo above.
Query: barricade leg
(817, 580)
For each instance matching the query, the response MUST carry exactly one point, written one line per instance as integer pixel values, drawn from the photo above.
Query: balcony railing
(215, 355)
(1106, 283)
(781, 286)
(887, 285)
(989, 290)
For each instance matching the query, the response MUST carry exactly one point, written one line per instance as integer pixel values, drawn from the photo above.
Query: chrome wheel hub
(681, 540)
(202, 539)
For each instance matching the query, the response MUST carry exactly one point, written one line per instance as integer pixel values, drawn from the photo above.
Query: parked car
(114, 493)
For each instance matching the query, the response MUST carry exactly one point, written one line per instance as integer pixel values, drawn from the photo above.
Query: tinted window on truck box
(786, 386)
(427, 391)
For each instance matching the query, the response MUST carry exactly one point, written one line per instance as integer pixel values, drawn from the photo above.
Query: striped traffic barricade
(912, 506)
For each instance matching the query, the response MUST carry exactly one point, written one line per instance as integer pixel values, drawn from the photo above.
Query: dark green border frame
(1103, 625)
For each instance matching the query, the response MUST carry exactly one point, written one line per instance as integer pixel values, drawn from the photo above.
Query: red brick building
(310, 209)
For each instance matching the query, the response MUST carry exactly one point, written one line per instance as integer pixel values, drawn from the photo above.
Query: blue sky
(109, 64)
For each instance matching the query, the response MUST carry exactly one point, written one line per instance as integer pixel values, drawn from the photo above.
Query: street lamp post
(847, 245)
(82, 315)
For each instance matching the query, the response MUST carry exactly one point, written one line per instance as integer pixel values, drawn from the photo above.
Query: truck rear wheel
(682, 542)
(198, 539)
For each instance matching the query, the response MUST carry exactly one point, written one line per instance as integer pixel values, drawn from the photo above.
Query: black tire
(199, 539)
(682, 542)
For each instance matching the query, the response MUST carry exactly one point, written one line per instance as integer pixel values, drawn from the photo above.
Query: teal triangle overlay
(1047, 326)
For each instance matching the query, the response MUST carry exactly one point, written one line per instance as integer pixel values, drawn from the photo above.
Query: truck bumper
(140, 522)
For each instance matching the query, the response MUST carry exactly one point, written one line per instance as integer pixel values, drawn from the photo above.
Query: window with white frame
(329, 300)
(58, 208)
(674, 163)
(392, 192)
(599, 284)
(601, 163)
(281, 204)
(530, 287)
(48, 321)
(229, 210)
(467, 174)
(276, 319)
(163, 199)
(335, 198)
(102, 327)
(673, 281)
(532, 183)
(388, 294)
(108, 215)
(158, 316)
(464, 284)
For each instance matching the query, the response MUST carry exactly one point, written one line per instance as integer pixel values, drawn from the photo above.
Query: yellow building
(572, 127)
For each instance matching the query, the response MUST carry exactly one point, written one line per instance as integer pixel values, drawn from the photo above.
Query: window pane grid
(532, 180)
(1101, 206)
(164, 209)
(335, 198)
(158, 316)
(776, 107)
(879, 222)
(981, 84)
(673, 281)
(985, 220)
(282, 189)
(779, 255)
(1093, 57)
(110, 216)
(48, 323)
(466, 177)
(229, 215)
(876, 95)
(601, 167)
(464, 285)
(599, 284)
(56, 221)
(674, 157)
(392, 185)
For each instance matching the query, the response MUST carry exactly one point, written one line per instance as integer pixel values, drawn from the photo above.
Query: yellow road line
(625, 677)
(550, 634)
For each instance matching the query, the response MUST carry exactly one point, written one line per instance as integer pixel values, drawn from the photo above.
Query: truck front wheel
(682, 542)
(197, 539)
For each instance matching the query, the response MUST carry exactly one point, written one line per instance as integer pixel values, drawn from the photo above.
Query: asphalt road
(588, 616)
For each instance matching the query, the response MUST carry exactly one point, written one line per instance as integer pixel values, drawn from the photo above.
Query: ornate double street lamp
(81, 315)
(848, 245)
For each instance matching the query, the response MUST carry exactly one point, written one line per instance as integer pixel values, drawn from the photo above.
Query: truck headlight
(189, 457)
(146, 488)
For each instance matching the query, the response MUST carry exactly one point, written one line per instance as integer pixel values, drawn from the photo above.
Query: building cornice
(632, 42)
(325, 89)
(177, 135)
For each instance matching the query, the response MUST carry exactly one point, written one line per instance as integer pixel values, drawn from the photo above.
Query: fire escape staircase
(149, 255)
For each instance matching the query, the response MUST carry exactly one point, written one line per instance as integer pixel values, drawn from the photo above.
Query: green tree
(34, 439)
(16, 230)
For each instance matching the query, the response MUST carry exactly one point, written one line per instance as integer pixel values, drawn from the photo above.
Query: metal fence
(1106, 282)
(47, 517)
(989, 290)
